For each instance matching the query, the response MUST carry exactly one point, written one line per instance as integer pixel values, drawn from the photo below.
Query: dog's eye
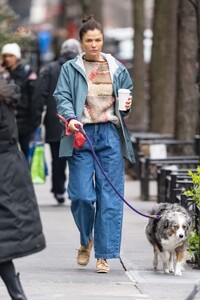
(184, 227)
(176, 227)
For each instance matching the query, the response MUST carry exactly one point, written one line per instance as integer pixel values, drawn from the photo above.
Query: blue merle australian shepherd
(168, 236)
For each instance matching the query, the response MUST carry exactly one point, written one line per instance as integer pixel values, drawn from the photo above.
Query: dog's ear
(166, 223)
(189, 221)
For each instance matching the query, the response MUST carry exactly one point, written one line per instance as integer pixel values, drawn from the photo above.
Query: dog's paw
(155, 267)
(166, 267)
(178, 273)
(155, 262)
(178, 269)
(171, 270)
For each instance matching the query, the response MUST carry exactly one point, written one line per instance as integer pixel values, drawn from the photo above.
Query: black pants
(7, 270)
(58, 170)
(11, 280)
(24, 141)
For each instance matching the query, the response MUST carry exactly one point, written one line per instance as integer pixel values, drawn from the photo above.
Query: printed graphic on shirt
(99, 106)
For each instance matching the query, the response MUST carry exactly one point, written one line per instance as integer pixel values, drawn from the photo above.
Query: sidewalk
(137, 256)
(54, 273)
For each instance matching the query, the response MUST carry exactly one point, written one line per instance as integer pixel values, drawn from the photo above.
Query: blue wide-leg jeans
(96, 208)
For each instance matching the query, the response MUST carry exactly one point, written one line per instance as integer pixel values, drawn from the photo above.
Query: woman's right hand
(74, 124)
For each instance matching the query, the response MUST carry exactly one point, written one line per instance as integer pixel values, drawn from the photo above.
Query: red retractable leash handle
(80, 140)
(79, 136)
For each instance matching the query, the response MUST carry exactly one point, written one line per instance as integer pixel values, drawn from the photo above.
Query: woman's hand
(74, 124)
(129, 103)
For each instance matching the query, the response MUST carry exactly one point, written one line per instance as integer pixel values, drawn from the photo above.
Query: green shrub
(194, 193)
(193, 244)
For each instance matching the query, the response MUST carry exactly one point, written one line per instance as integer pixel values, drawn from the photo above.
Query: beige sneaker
(102, 266)
(83, 256)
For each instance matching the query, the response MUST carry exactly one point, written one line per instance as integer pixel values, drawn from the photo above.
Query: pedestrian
(43, 100)
(20, 224)
(23, 76)
(86, 95)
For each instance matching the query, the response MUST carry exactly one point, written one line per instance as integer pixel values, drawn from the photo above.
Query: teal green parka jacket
(71, 92)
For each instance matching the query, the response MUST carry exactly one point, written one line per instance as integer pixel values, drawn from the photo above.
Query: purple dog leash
(157, 217)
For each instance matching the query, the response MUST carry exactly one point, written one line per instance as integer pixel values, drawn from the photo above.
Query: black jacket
(24, 77)
(20, 225)
(43, 97)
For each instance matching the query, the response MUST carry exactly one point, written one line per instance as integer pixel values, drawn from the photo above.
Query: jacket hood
(112, 62)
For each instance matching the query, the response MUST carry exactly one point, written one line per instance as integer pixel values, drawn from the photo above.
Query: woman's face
(92, 43)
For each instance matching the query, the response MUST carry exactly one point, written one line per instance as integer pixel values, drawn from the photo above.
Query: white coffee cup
(123, 95)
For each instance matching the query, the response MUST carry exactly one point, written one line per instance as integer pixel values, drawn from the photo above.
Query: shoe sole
(81, 264)
(102, 271)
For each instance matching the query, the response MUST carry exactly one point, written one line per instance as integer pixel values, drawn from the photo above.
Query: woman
(20, 225)
(86, 96)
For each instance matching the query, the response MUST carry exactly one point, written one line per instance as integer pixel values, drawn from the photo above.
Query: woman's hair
(89, 23)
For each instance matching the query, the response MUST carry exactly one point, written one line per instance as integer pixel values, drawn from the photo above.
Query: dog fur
(168, 236)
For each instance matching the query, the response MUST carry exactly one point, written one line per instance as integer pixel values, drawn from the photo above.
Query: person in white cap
(45, 87)
(14, 51)
(25, 78)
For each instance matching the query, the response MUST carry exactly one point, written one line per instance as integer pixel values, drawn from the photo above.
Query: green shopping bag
(36, 158)
(38, 168)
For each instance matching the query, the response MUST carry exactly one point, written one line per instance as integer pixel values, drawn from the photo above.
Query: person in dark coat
(44, 89)
(23, 76)
(21, 231)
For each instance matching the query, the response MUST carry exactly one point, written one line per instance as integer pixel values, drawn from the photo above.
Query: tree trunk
(138, 118)
(187, 88)
(198, 76)
(163, 67)
(92, 7)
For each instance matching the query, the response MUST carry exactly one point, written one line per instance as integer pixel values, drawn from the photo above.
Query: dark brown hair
(89, 23)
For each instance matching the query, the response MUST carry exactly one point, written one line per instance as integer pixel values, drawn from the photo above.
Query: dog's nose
(181, 236)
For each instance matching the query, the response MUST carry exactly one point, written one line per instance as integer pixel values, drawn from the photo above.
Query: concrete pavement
(54, 273)
(137, 255)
